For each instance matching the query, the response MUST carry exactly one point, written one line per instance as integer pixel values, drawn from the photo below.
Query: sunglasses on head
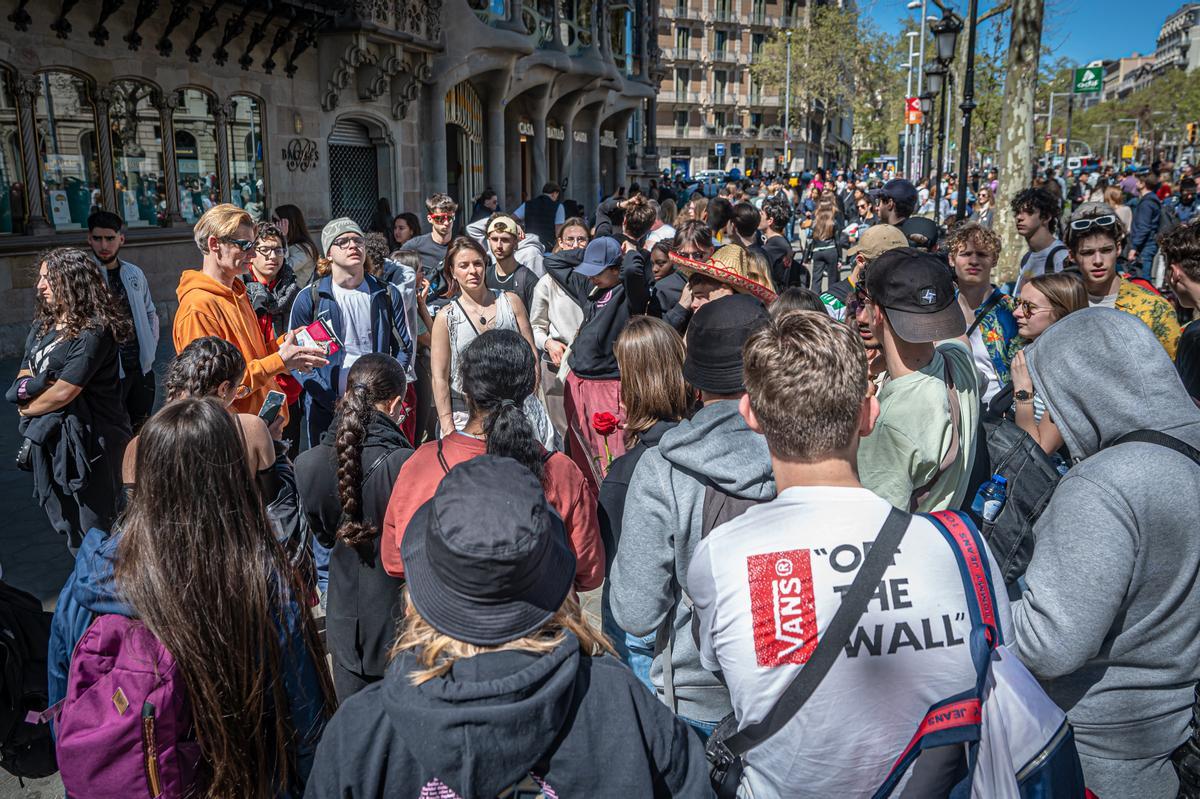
(1086, 224)
(245, 245)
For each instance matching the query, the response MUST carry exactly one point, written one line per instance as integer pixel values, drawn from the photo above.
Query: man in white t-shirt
(1035, 213)
(767, 585)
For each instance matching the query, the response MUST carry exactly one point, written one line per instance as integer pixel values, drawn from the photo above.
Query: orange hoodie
(207, 308)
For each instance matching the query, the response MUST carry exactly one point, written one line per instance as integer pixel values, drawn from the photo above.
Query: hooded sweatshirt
(662, 525)
(208, 308)
(1109, 620)
(556, 724)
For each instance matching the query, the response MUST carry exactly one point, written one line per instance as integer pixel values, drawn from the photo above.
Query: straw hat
(733, 266)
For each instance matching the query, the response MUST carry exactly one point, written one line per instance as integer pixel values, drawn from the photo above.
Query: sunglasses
(440, 218)
(694, 255)
(858, 301)
(1027, 308)
(245, 245)
(1083, 225)
(346, 242)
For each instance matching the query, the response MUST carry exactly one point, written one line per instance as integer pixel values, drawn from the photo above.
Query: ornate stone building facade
(159, 108)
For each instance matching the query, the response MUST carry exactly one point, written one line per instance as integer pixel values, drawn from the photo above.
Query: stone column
(652, 127)
(566, 157)
(221, 115)
(593, 179)
(434, 152)
(102, 99)
(166, 103)
(494, 154)
(622, 150)
(540, 166)
(28, 88)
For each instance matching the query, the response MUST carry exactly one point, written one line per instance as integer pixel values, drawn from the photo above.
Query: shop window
(196, 154)
(66, 130)
(12, 180)
(246, 167)
(138, 166)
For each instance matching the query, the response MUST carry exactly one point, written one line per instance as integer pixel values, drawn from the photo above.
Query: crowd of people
(863, 518)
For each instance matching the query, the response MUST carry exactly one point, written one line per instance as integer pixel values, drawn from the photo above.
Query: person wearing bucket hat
(731, 270)
(920, 454)
(498, 684)
(716, 454)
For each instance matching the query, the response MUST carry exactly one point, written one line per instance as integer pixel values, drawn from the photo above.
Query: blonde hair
(437, 652)
(986, 239)
(806, 377)
(221, 221)
(650, 357)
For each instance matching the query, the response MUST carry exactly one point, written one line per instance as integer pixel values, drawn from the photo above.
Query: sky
(1081, 30)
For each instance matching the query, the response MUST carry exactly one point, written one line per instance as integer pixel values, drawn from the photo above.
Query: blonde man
(212, 302)
(767, 584)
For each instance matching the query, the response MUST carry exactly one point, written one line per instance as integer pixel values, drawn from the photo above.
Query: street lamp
(945, 34)
(927, 138)
(967, 105)
(935, 74)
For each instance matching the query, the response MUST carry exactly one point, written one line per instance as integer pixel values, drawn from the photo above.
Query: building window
(246, 167)
(756, 43)
(196, 154)
(12, 176)
(138, 171)
(681, 123)
(720, 77)
(66, 129)
(721, 38)
(683, 40)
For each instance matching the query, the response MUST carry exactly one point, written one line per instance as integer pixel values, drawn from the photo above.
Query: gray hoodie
(1110, 618)
(664, 511)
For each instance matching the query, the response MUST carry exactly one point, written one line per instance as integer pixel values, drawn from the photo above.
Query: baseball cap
(900, 190)
(504, 224)
(920, 232)
(878, 239)
(486, 559)
(714, 343)
(916, 288)
(601, 253)
(335, 228)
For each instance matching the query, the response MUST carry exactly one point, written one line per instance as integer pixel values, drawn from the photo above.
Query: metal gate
(353, 173)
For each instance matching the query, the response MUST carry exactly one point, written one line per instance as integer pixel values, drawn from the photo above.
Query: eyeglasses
(346, 242)
(694, 255)
(1086, 224)
(440, 218)
(574, 242)
(245, 245)
(269, 252)
(858, 301)
(1027, 308)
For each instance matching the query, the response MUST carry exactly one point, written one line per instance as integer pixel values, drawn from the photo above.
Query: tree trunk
(1016, 129)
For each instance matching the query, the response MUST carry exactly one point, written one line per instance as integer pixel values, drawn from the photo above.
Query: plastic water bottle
(990, 498)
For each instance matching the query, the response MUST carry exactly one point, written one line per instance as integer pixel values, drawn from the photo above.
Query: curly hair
(373, 378)
(81, 299)
(984, 239)
(1038, 201)
(1181, 247)
(201, 368)
(377, 252)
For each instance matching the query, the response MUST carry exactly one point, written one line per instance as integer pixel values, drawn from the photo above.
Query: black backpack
(26, 749)
(1032, 476)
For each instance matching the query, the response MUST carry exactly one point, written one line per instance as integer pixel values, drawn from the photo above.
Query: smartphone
(272, 405)
(319, 334)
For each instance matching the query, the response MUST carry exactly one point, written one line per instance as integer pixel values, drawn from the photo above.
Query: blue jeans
(1146, 259)
(703, 728)
(637, 652)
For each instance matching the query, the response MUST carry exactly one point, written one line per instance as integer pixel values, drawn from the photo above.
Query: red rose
(604, 423)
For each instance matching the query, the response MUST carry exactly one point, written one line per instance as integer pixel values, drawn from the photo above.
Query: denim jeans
(636, 651)
(703, 728)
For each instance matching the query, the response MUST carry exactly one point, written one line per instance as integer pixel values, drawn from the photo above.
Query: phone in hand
(319, 334)
(271, 407)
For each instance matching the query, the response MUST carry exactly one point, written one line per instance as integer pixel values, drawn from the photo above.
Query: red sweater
(566, 490)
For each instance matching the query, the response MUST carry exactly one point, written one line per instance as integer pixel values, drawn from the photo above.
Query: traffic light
(1049, 144)
(1062, 148)
(1191, 129)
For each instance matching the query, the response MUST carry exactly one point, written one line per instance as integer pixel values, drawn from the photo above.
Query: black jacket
(616, 486)
(560, 723)
(364, 601)
(666, 293)
(605, 312)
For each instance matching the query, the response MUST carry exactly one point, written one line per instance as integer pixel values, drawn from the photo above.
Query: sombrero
(733, 266)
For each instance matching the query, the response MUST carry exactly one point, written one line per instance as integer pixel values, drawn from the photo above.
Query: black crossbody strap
(984, 311)
(1161, 439)
(832, 641)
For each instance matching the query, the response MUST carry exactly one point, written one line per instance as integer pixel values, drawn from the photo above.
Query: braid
(374, 378)
(201, 368)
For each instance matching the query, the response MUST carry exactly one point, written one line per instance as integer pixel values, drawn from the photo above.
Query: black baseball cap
(921, 232)
(916, 288)
(900, 190)
(486, 559)
(714, 343)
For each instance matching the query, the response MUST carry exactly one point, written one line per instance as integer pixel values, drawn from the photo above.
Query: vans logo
(782, 607)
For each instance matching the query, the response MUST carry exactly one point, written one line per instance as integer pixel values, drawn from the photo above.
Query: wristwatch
(1021, 395)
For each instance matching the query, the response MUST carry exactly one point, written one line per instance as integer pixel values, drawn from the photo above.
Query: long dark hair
(81, 297)
(297, 229)
(457, 246)
(497, 376)
(199, 564)
(373, 378)
(202, 367)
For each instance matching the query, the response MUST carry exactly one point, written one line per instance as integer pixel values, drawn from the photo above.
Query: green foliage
(1166, 105)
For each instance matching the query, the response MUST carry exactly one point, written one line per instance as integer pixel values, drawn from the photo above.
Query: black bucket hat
(714, 343)
(487, 559)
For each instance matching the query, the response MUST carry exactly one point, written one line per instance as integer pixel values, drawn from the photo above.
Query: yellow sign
(1049, 144)
(1127, 152)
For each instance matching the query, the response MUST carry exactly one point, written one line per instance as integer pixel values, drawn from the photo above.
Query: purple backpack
(125, 728)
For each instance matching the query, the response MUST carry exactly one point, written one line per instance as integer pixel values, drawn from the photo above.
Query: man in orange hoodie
(212, 302)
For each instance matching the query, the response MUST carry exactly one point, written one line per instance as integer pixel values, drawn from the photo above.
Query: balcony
(681, 132)
(759, 17)
(679, 54)
(680, 97)
(725, 56)
(788, 22)
(724, 16)
(764, 100)
(721, 98)
(684, 12)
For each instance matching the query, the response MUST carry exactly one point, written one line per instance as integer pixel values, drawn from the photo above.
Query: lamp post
(912, 6)
(967, 106)
(927, 138)
(787, 109)
(935, 75)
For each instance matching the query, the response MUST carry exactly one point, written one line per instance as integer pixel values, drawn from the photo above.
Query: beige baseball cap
(878, 239)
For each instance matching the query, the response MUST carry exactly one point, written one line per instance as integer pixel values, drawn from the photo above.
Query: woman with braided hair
(345, 482)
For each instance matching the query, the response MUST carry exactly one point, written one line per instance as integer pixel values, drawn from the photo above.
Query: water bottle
(990, 498)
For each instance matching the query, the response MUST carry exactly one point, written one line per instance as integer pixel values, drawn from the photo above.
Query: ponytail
(498, 374)
(374, 378)
(510, 434)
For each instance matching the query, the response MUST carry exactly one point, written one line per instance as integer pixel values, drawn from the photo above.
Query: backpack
(1032, 476)
(1019, 743)
(26, 748)
(125, 727)
(1168, 218)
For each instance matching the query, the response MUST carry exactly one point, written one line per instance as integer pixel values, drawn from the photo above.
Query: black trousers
(138, 392)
